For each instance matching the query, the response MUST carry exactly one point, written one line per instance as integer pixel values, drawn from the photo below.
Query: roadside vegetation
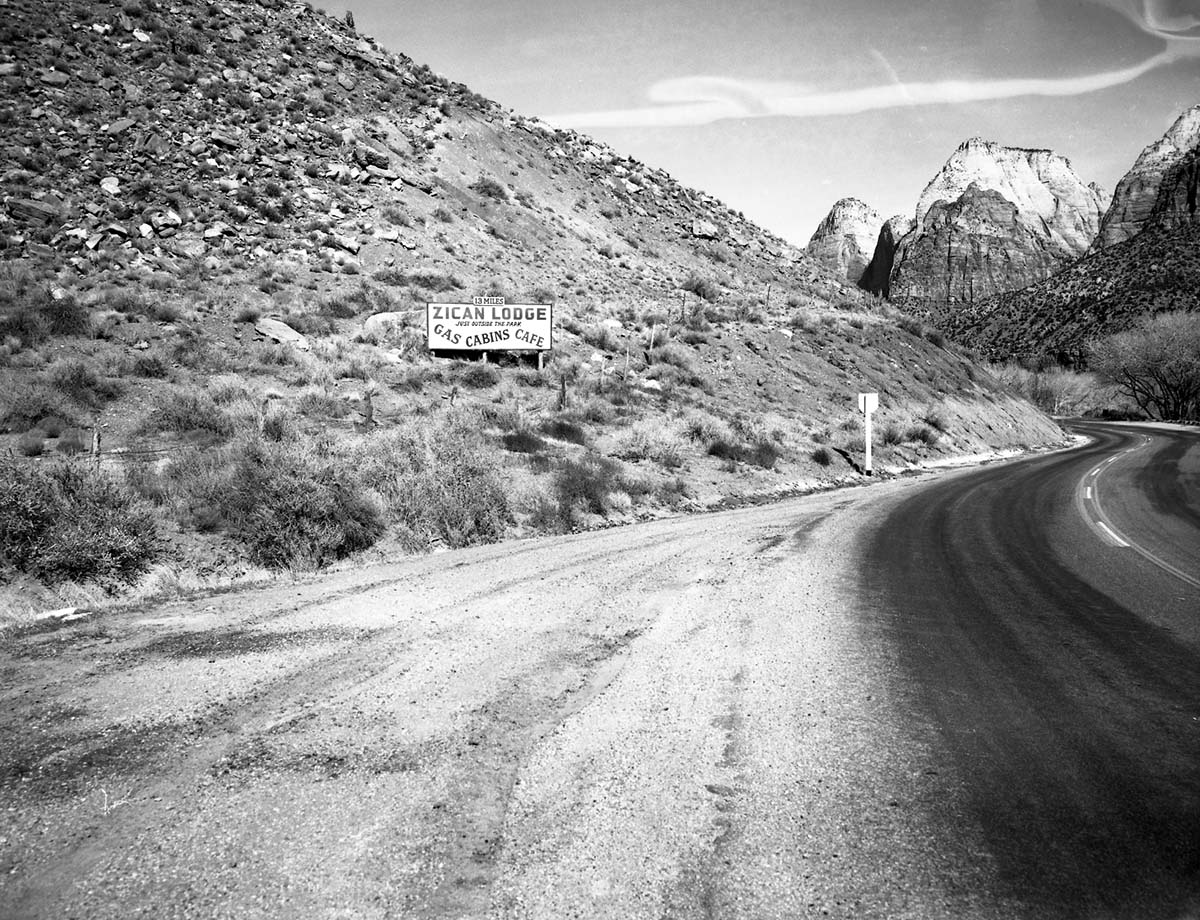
(1156, 364)
(219, 444)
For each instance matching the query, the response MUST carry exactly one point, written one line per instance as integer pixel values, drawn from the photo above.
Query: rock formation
(1158, 173)
(878, 273)
(994, 219)
(845, 239)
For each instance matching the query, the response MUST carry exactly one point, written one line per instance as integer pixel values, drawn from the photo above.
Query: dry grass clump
(601, 336)
(742, 441)
(650, 441)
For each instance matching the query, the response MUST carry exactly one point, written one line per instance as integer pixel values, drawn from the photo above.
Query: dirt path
(683, 719)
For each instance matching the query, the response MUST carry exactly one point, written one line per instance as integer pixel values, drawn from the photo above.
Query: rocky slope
(222, 223)
(1159, 188)
(1103, 293)
(195, 134)
(845, 239)
(993, 219)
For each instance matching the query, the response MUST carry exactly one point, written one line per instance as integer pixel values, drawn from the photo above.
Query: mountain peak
(1136, 200)
(845, 239)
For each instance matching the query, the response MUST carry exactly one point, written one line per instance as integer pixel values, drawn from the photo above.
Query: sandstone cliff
(1158, 173)
(845, 239)
(994, 219)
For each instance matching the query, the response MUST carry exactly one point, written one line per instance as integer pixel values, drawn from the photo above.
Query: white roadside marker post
(867, 403)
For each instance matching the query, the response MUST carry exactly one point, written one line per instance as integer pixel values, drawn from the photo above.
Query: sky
(781, 107)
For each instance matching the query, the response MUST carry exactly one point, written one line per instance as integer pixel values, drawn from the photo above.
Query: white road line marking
(1112, 533)
(1088, 493)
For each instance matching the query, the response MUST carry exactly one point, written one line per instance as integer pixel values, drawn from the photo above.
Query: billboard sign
(489, 324)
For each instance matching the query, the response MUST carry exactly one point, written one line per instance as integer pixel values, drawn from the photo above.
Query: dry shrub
(440, 481)
(179, 410)
(24, 405)
(70, 522)
(292, 505)
(649, 441)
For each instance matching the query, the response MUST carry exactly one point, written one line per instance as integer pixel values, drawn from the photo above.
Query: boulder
(379, 325)
(281, 332)
(366, 155)
(38, 212)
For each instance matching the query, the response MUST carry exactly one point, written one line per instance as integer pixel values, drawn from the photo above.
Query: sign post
(867, 403)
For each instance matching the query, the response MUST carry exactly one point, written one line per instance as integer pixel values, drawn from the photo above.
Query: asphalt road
(1047, 619)
(970, 695)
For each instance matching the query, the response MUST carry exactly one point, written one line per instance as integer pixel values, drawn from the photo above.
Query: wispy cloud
(700, 100)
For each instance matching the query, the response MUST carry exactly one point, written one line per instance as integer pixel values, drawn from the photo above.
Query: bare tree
(1157, 363)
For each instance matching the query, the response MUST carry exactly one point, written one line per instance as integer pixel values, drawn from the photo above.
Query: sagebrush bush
(702, 287)
(935, 418)
(32, 314)
(523, 441)
(648, 441)
(489, 188)
(291, 505)
(704, 428)
(822, 456)
(478, 375)
(150, 365)
(675, 354)
(438, 481)
(891, 434)
(179, 410)
(601, 336)
(32, 443)
(80, 381)
(922, 434)
(71, 522)
(563, 430)
(294, 508)
(24, 405)
(585, 485)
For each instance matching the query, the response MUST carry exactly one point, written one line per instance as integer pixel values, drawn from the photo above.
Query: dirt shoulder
(587, 726)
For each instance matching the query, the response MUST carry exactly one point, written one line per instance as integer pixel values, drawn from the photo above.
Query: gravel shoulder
(683, 718)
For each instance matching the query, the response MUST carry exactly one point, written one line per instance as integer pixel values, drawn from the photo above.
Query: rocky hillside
(220, 225)
(845, 240)
(1103, 293)
(1140, 200)
(993, 219)
(148, 135)
(1150, 263)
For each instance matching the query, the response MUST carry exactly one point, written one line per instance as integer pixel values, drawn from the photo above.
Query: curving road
(1047, 620)
(970, 695)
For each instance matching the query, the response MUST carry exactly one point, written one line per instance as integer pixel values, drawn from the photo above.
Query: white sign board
(867, 403)
(489, 324)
